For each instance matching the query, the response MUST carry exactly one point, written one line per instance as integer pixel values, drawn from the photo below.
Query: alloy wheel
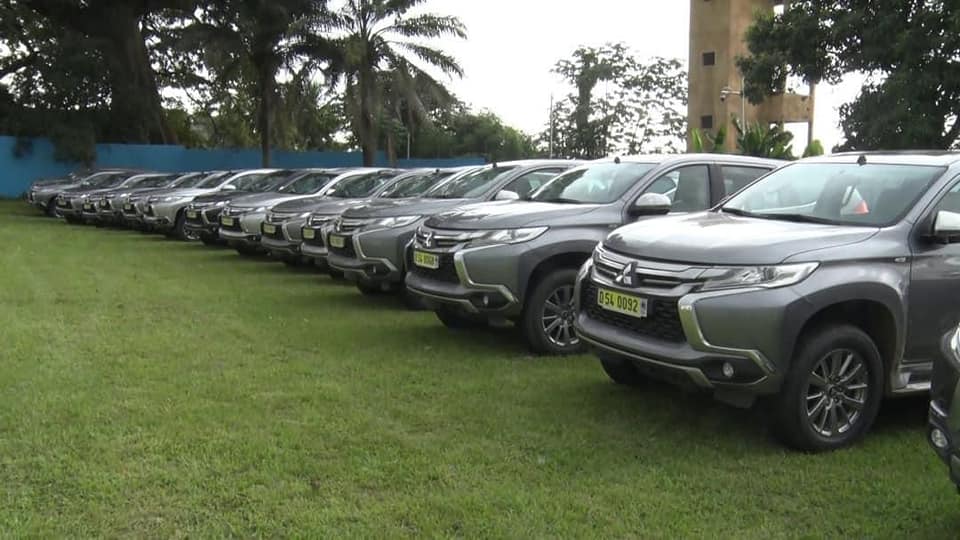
(557, 317)
(837, 392)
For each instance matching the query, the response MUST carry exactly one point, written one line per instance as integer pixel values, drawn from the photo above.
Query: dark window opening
(706, 122)
(709, 58)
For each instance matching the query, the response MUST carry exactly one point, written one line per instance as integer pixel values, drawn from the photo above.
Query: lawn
(156, 388)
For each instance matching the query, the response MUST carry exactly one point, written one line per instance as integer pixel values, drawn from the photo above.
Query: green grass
(156, 388)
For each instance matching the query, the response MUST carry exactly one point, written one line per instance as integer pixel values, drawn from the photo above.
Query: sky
(513, 44)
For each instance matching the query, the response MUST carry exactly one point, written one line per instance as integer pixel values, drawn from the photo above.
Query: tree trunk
(263, 116)
(368, 124)
(391, 148)
(136, 106)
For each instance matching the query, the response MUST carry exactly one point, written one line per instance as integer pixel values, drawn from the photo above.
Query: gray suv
(517, 260)
(944, 420)
(823, 287)
(368, 243)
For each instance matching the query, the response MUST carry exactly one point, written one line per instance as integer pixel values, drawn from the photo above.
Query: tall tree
(908, 49)
(618, 104)
(254, 40)
(377, 36)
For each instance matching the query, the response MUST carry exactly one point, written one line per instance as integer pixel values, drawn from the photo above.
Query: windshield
(601, 183)
(839, 193)
(469, 186)
(212, 181)
(188, 180)
(416, 184)
(107, 180)
(361, 186)
(152, 181)
(271, 182)
(307, 184)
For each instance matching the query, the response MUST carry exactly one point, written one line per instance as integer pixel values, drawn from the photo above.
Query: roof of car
(664, 158)
(940, 158)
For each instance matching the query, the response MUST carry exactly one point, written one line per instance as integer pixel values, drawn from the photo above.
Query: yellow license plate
(269, 229)
(226, 221)
(309, 234)
(426, 260)
(337, 241)
(88, 206)
(633, 306)
(191, 214)
(128, 207)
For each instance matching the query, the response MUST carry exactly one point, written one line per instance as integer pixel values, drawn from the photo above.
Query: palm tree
(756, 139)
(377, 36)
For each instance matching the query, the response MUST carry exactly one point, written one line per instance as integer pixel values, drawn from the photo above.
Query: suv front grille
(434, 238)
(446, 272)
(662, 320)
(346, 225)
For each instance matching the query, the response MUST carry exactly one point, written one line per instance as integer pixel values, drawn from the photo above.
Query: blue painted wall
(16, 173)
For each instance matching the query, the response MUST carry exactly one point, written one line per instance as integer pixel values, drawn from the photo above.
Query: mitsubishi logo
(428, 240)
(626, 276)
(338, 226)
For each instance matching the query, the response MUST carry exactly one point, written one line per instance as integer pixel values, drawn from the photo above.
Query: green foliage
(758, 140)
(909, 49)
(705, 142)
(815, 148)
(461, 133)
(640, 107)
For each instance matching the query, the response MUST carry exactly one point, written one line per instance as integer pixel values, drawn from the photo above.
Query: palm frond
(428, 26)
(434, 57)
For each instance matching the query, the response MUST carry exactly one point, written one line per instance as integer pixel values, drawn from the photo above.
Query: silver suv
(823, 287)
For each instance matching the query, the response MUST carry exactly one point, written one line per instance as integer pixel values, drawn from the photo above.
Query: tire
(412, 301)
(455, 320)
(548, 314)
(850, 390)
(50, 209)
(369, 289)
(73, 220)
(179, 232)
(336, 274)
(247, 251)
(208, 239)
(621, 371)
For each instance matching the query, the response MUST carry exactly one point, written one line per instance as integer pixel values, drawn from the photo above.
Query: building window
(706, 122)
(709, 58)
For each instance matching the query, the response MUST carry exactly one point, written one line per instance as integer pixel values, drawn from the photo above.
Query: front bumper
(482, 280)
(282, 239)
(204, 221)
(245, 230)
(687, 337)
(162, 216)
(374, 256)
(941, 420)
(72, 208)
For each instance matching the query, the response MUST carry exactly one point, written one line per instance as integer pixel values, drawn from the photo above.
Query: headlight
(220, 203)
(304, 215)
(768, 277)
(173, 198)
(509, 236)
(390, 222)
(259, 209)
(954, 353)
(315, 221)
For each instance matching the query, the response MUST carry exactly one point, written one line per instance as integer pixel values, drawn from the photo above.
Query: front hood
(318, 205)
(724, 239)
(512, 215)
(185, 192)
(382, 208)
(270, 199)
(218, 196)
(53, 188)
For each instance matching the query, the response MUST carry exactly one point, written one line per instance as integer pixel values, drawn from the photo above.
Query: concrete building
(717, 29)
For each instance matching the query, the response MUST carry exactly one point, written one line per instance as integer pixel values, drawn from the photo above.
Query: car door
(736, 177)
(932, 296)
(688, 187)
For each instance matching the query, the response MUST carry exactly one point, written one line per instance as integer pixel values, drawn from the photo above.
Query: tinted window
(471, 185)
(361, 186)
(154, 181)
(844, 193)
(599, 183)
(307, 184)
(212, 181)
(737, 178)
(530, 182)
(692, 191)
(414, 185)
(188, 180)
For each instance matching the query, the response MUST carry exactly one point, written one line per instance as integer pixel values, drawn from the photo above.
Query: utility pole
(551, 125)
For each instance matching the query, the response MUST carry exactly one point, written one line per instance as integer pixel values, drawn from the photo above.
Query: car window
(599, 183)
(532, 181)
(212, 181)
(736, 178)
(307, 184)
(471, 185)
(188, 180)
(414, 185)
(691, 188)
(361, 186)
(950, 201)
(844, 193)
(154, 181)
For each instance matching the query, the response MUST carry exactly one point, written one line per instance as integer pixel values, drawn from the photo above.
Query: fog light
(728, 370)
(486, 301)
(939, 439)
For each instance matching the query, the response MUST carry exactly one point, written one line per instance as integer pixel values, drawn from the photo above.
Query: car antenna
(862, 160)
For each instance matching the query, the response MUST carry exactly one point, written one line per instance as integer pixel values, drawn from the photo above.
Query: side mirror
(651, 204)
(946, 226)
(507, 195)
(229, 187)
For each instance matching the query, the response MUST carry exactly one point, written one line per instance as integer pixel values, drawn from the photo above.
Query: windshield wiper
(738, 212)
(804, 218)
(561, 200)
